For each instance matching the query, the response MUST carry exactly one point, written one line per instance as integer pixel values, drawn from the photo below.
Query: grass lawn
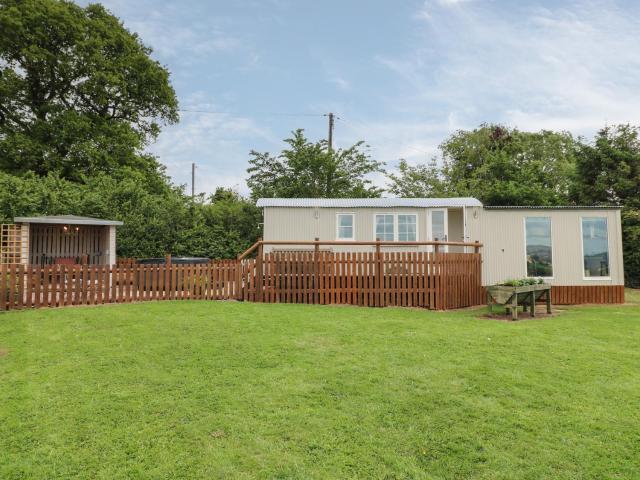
(240, 390)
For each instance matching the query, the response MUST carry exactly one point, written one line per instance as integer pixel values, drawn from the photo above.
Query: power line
(361, 124)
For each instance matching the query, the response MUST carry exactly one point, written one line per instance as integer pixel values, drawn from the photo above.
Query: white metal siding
(501, 232)
(308, 223)
(503, 235)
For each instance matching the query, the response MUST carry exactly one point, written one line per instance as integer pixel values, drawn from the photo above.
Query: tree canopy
(608, 169)
(415, 181)
(505, 166)
(608, 173)
(498, 165)
(311, 169)
(79, 93)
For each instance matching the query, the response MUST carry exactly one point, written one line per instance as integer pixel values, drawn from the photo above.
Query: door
(439, 226)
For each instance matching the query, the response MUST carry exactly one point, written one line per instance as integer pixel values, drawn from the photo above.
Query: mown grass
(239, 390)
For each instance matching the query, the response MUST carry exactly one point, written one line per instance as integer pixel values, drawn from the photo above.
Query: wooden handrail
(250, 249)
(373, 244)
(475, 245)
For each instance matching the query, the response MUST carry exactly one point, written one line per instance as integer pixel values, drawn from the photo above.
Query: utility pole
(330, 139)
(193, 181)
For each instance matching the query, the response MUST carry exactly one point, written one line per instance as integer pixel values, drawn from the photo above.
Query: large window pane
(595, 247)
(407, 228)
(384, 228)
(438, 226)
(538, 233)
(345, 227)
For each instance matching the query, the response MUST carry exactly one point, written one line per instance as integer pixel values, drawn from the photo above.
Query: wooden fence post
(167, 277)
(437, 278)
(316, 271)
(378, 278)
(239, 279)
(259, 273)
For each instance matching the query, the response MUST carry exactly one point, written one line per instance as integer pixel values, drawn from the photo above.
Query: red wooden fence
(61, 285)
(418, 279)
(408, 279)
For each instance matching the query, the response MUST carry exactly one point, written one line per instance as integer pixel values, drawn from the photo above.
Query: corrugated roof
(559, 207)
(64, 219)
(368, 202)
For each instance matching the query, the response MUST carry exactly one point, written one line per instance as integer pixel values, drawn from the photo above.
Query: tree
(414, 181)
(230, 224)
(307, 169)
(608, 173)
(79, 93)
(503, 166)
(608, 170)
(497, 165)
(156, 220)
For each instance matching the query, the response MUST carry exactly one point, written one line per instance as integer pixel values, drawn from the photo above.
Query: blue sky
(401, 75)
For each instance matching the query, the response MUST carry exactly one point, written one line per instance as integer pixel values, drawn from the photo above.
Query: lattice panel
(10, 244)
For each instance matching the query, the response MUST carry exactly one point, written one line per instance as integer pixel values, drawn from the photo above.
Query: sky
(400, 75)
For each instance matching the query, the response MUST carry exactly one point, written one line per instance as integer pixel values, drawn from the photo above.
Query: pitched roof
(67, 219)
(368, 202)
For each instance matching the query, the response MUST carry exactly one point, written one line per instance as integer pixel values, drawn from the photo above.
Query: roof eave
(67, 221)
(556, 207)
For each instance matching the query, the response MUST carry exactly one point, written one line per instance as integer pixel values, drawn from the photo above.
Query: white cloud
(447, 3)
(172, 32)
(340, 82)
(215, 142)
(567, 68)
(429, 6)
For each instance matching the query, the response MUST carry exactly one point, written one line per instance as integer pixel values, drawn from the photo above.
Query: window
(407, 228)
(538, 245)
(384, 228)
(595, 247)
(344, 229)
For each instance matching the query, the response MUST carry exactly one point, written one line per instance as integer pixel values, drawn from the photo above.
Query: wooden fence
(418, 279)
(62, 285)
(409, 279)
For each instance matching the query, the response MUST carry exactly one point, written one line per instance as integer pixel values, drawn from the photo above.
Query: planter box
(512, 297)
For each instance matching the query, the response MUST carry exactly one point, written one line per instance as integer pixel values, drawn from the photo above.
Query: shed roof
(67, 219)
(368, 202)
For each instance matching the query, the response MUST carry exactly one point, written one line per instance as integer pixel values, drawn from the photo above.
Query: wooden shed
(59, 239)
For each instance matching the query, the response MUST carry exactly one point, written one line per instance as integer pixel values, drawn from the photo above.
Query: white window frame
(353, 226)
(396, 232)
(443, 248)
(584, 277)
(524, 227)
(397, 225)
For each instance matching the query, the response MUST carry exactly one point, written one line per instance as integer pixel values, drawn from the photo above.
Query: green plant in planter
(522, 282)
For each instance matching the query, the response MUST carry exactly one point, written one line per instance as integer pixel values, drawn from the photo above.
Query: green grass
(239, 390)
(632, 296)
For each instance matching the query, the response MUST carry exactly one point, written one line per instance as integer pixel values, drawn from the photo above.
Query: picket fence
(62, 285)
(413, 279)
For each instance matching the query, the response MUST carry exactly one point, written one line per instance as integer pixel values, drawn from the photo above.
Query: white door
(439, 226)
